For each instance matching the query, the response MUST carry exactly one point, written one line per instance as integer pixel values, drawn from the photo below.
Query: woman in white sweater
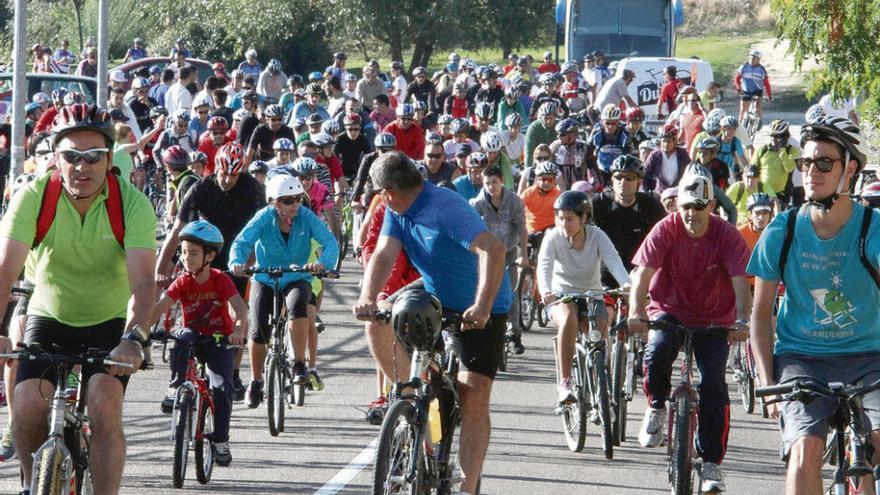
(570, 261)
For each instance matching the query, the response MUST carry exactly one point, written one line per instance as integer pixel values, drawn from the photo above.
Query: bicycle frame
(196, 384)
(685, 388)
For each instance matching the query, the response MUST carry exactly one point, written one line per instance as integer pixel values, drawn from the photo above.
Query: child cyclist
(570, 261)
(204, 294)
(281, 235)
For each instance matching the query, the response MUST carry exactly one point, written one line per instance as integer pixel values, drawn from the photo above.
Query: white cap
(755, 53)
(202, 99)
(117, 76)
(40, 98)
(695, 189)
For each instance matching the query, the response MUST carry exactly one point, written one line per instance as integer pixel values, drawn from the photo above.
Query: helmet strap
(205, 264)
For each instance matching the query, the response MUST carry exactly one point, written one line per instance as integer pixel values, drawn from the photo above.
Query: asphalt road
(326, 448)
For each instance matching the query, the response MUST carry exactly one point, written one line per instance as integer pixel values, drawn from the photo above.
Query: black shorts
(297, 296)
(748, 95)
(49, 333)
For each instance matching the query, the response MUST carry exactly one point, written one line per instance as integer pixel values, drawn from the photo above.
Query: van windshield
(619, 28)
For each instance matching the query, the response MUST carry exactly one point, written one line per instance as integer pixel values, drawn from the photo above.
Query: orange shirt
(751, 236)
(539, 208)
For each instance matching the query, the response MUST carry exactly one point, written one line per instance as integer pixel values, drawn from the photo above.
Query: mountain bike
(683, 413)
(348, 232)
(415, 454)
(751, 121)
(743, 367)
(281, 389)
(850, 437)
(527, 291)
(193, 395)
(590, 379)
(626, 358)
(61, 464)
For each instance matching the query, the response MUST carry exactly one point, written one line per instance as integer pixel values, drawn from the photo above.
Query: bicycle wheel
(77, 444)
(543, 316)
(526, 294)
(618, 396)
(745, 381)
(574, 414)
(203, 451)
(182, 435)
(396, 448)
(275, 396)
(680, 462)
(299, 393)
(604, 405)
(49, 479)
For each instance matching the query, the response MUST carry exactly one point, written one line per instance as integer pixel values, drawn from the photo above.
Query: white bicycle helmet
(283, 185)
(491, 142)
(546, 168)
(610, 112)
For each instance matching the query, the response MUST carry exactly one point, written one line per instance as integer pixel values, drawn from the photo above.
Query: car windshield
(37, 84)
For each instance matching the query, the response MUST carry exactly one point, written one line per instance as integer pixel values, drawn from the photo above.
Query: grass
(486, 56)
(725, 53)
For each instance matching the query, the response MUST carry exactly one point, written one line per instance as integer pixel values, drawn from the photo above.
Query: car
(46, 83)
(129, 68)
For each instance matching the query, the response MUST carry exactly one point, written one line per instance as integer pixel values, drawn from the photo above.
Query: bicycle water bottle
(434, 425)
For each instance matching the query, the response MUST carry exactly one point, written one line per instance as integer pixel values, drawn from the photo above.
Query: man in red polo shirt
(409, 135)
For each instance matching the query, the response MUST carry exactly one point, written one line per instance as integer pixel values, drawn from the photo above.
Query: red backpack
(49, 205)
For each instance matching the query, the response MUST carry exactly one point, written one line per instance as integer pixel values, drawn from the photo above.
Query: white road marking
(344, 477)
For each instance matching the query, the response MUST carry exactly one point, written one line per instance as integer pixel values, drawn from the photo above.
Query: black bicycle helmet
(417, 318)
(628, 163)
(759, 199)
(574, 201)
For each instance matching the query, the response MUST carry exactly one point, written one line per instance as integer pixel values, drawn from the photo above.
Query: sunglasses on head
(290, 200)
(90, 156)
(823, 163)
(694, 206)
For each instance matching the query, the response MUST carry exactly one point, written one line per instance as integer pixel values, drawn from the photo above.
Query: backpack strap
(49, 206)
(863, 235)
(786, 243)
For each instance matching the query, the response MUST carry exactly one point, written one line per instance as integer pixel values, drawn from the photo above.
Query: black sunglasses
(434, 155)
(823, 163)
(290, 200)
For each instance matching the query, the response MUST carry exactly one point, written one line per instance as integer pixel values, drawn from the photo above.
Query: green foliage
(842, 34)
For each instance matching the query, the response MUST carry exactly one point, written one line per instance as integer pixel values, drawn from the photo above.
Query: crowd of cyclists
(452, 178)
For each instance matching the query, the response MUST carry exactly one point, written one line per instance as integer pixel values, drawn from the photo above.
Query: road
(327, 437)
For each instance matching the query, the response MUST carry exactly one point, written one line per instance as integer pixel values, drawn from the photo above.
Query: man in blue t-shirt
(828, 328)
(462, 263)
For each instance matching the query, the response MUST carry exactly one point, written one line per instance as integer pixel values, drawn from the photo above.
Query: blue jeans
(710, 352)
(219, 361)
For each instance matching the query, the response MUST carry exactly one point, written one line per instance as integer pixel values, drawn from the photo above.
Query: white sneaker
(565, 395)
(712, 479)
(651, 433)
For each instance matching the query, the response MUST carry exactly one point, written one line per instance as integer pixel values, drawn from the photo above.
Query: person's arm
(490, 262)
(327, 240)
(761, 328)
(159, 309)
(611, 259)
(546, 258)
(13, 255)
(767, 85)
(726, 204)
(166, 254)
(629, 102)
(376, 274)
(243, 245)
(638, 298)
(520, 223)
(737, 81)
(743, 292)
(240, 313)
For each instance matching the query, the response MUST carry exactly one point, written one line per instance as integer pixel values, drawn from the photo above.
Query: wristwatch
(136, 334)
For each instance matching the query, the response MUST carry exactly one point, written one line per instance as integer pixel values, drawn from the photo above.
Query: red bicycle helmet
(230, 158)
(669, 130)
(83, 117)
(176, 158)
(218, 124)
(635, 114)
(352, 119)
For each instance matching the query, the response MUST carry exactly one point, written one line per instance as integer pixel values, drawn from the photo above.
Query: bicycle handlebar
(449, 320)
(164, 337)
(590, 294)
(793, 389)
(279, 271)
(90, 356)
(668, 325)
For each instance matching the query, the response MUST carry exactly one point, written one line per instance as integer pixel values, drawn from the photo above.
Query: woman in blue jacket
(281, 235)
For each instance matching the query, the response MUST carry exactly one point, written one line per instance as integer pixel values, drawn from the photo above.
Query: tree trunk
(77, 7)
(396, 46)
(422, 52)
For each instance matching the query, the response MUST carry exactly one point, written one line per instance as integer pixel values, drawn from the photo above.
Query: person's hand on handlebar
(548, 297)
(635, 324)
(364, 310)
(237, 335)
(475, 317)
(315, 267)
(740, 332)
(126, 352)
(238, 269)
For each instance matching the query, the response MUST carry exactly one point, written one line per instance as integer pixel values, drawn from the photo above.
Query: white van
(645, 89)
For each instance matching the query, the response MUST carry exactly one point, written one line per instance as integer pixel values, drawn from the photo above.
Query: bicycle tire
(526, 295)
(394, 452)
(618, 397)
(49, 480)
(81, 484)
(182, 431)
(603, 391)
(543, 316)
(574, 415)
(502, 363)
(680, 462)
(204, 453)
(275, 396)
(746, 382)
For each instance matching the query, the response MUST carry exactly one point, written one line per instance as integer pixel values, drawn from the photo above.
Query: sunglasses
(290, 200)
(218, 133)
(694, 206)
(352, 129)
(90, 156)
(626, 177)
(823, 163)
(434, 155)
(541, 158)
(406, 119)
(275, 119)
(202, 112)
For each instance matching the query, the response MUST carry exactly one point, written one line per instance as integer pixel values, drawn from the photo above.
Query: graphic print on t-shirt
(832, 307)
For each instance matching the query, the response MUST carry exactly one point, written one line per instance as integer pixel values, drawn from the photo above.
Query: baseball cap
(669, 192)
(463, 149)
(117, 76)
(695, 189)
(754, 53)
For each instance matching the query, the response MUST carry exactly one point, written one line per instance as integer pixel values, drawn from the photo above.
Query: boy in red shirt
(669, 91)
(205, 294)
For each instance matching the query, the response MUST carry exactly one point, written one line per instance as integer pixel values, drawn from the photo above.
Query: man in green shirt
(542, 130)
(90, 291)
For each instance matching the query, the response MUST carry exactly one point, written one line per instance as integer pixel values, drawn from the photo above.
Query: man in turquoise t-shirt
(90, 288)
(828, 328)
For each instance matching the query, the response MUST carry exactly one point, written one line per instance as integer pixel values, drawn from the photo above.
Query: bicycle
(743, 367)
(415, 450)
(591, 382)
(281, 390)
(61, 463)
(192, 395)
(627, 352)
(683, 414)
(850, 439)
(527, 291)
(751, 121)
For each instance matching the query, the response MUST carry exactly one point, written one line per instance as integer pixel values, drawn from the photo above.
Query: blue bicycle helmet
(258, 167)
(204, 233)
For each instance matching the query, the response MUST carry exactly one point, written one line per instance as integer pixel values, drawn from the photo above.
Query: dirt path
(780, 65)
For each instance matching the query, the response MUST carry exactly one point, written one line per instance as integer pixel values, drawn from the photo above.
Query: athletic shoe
(566, 395)
(319, 325)
(7, 446)
(299, 372)
(651, 433)
(712, 478)
(516, 342)
(222, 455)
(237, 390)
(255, 394)
(376, 411)
(168, 401)
(315, 381)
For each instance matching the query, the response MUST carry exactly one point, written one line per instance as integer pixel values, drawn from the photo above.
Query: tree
(843, 34)
(518, 23)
